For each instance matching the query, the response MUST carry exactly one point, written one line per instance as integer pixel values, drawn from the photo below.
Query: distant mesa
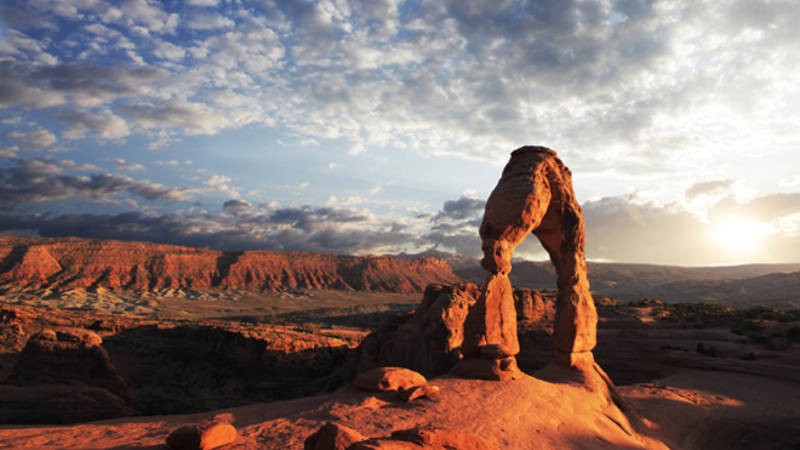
(60, 264)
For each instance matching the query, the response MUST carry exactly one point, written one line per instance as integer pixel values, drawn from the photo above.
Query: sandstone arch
(534, 195)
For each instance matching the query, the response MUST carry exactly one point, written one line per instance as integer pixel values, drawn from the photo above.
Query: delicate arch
(534, 195)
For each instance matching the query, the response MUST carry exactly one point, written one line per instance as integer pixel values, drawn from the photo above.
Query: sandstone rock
(430, 339)
(333, 436)
(67, 356)
(426, 390)
(534, 195)
(59, 404)
(72, 263)
(202, 436)
(534, 306)
(492, 321)
(499, 369)
(430, 342)
(428, 438)
(383, 379)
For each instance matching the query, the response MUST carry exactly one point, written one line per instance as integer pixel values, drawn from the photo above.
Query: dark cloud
(309, 219)
(236, 206)
(42, 180)
(209, 231)
(461, 208)
(708, 188)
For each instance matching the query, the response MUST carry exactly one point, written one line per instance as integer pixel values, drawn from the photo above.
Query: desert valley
(112, 344)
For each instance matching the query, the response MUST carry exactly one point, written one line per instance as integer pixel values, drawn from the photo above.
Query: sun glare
(737, 234)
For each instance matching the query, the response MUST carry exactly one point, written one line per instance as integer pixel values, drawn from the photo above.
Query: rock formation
(429, 339)
(386, 379)
(534, 195)
(68, 356)
(59, 264)
(333, 436)
(202, 436)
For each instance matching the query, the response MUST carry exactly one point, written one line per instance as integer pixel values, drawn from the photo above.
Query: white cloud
(347, 201)
(209, 22)
(121, 164)
(35, 139)
(203, 2)
(170, 51)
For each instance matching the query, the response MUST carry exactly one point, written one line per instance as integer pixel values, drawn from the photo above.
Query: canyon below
(111, 344)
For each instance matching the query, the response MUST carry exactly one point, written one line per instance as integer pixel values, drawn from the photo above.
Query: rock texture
(333, 436)
(203, 436)
(384, 379)
(59, 404)
(429, 340)
(170, 366)
(58, 264)
(68, 356)
(534, 195)
(427, 438)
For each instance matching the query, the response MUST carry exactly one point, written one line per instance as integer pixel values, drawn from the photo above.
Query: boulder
(428, 390)
(202, 436)
(430, 341)
(386, 379)
(333, 436)
(67, 356)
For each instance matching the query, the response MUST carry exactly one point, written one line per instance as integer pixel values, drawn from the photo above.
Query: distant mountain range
(60, 264)
(742, 286)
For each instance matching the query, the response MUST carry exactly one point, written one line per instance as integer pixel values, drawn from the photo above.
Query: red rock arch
(534, 195)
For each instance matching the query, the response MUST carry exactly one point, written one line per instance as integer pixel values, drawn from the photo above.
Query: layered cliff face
(72, 263)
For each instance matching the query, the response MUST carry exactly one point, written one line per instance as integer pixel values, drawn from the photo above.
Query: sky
(381, 126)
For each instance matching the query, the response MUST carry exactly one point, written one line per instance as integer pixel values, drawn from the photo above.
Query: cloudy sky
(380, 126)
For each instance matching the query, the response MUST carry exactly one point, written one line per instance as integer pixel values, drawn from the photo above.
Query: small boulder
(383, 379)
(202, 436)
(333, 436)
(426, 390)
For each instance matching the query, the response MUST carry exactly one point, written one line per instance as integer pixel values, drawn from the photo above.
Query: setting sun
(737, 234)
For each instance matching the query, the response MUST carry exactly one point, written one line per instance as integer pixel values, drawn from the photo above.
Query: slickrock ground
(693, 410)
(522, 414)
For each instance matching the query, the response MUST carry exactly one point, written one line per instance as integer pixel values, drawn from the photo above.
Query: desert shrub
(758, 338)
(708, 351)
(752, 325)
(778, 345)
(793, 333)
(749, 357)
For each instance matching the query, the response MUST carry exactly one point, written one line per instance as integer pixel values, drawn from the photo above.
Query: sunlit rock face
(534, 195)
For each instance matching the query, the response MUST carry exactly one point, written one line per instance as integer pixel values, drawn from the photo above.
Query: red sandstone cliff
(72, 263)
